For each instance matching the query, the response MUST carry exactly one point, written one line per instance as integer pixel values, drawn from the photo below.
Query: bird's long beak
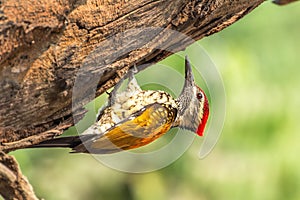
(189, 78)
(189, 84)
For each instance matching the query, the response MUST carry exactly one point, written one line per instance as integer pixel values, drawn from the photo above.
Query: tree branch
(45, 45)
(13, 185)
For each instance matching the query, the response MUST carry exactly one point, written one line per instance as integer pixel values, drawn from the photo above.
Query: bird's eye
(199, 95)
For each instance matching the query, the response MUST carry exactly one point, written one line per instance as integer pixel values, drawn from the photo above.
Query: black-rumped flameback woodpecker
(134, 117)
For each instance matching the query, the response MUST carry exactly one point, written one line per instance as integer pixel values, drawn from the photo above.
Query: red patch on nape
(202, 124)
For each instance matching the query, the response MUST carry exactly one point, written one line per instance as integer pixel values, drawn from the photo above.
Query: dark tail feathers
(69, 141)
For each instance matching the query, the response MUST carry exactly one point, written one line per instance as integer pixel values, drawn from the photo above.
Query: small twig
(283, 2)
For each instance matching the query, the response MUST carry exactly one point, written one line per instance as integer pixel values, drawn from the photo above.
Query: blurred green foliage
(257, 154)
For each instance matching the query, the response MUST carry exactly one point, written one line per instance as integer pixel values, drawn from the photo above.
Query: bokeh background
(257, 155)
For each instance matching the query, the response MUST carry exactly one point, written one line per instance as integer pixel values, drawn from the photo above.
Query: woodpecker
(134, 117)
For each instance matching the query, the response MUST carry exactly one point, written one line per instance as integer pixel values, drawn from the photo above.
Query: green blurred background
(257, 156)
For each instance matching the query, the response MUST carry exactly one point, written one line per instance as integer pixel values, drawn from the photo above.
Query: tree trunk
(47, 47)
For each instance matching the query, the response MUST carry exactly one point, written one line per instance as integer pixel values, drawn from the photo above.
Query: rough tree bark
(44, 44)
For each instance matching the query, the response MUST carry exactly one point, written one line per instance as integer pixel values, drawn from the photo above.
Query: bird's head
(193, 104)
